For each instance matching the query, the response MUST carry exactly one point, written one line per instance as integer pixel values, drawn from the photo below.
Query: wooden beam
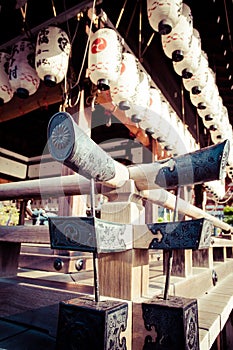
(105, 100)
(44, 97)
(48, 187)
(168, 200)
(25, 234)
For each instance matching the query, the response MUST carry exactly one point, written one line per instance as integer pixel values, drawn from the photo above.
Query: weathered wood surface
(78, 185)
(17, 107)
(47, 187)
(25, 234)
(69, 145)
(104, 99)
(124, 275)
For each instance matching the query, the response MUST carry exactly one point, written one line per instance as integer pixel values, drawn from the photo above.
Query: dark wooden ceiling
(26, 132)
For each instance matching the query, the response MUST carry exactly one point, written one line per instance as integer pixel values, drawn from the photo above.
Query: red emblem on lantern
(98, 45)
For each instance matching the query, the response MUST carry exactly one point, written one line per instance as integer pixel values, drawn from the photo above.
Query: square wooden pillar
(124, 275)
(182, 262)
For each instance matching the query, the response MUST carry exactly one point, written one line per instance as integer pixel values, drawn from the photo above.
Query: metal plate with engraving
(189, 234)
(89, 234)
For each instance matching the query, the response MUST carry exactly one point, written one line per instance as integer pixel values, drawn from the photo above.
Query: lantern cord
(121, 14)
(148, 44)
(228, 26)
(25, 28)
(54, 9)
(86, 48)
(131, 20)
(140, 31)
(84, 57)
(24, 12)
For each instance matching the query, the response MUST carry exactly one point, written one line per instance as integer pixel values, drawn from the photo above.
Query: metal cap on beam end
(206, 164)
(70, 145)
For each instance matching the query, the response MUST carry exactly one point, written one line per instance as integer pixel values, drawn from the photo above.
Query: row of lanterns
(182, 44)
(111, 68)
(27, 64)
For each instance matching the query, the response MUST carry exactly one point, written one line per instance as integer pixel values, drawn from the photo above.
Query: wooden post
(124, 275)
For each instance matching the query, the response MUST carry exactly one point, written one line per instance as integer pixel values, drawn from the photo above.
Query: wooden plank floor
(29, 309)
(29, 306)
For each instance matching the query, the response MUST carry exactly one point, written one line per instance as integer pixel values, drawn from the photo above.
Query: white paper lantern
(229, 170)
(216, 188)
(217, 121)
(141, 99)
(153, 114)
(208, 94)
(23, 77)
(104, 58)
(6, 92)
(191, 61)
(199, 78)
(178, 42)
(212, 109)
(163, 15)
(52, 55)
(123, 89)
(218, 135)
(211, 121)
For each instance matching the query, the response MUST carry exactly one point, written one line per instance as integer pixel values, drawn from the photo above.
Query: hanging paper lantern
(199, 78)
(153, 114)
(6, 92)
(52, 55)
(23, 77)
(178, 42)
(213, 121)
(211, 109)
(208, 94)
(216, 188)
(141, 99)
(163, 15)
(191, 61)
(229, 170)
(220, 134)
(123, 89)
(104, 58)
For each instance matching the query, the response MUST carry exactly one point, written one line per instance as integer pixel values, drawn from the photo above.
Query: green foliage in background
(9, 214)
(228, 215)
